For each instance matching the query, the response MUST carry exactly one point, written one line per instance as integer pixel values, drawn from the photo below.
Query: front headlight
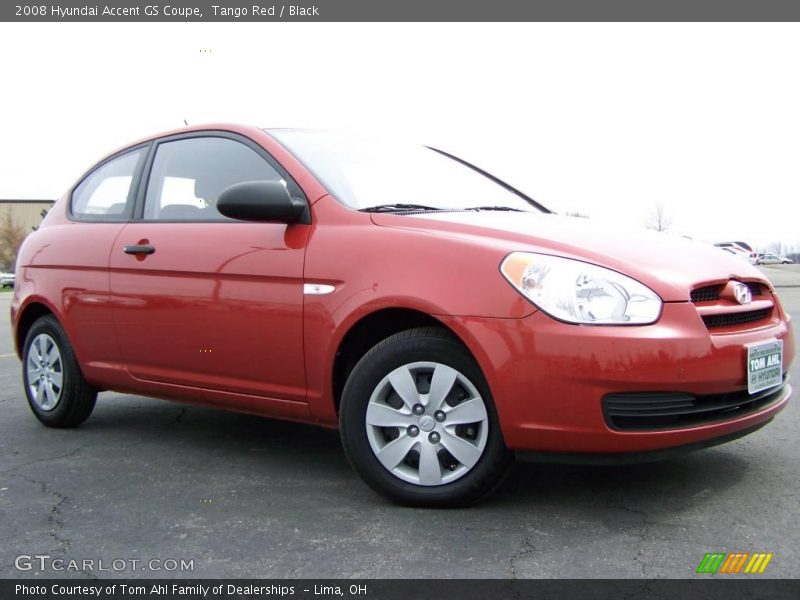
(579, 292)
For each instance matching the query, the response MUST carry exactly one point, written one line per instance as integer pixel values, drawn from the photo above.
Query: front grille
(733, 319)
(710, 293)
(660, 410)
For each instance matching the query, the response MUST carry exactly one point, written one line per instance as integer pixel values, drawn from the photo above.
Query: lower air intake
(657, 410)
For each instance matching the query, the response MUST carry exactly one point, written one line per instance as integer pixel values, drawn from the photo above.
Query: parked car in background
(752, 256)
(442, 320)
(6, 280)
(740, 253)
(767, 258)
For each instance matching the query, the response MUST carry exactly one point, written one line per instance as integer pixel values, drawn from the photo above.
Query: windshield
(364, 174)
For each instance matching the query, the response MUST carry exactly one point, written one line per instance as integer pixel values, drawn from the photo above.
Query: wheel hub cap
(45, 371)
(453, 416)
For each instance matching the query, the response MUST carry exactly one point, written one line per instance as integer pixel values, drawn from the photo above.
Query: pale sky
(604, 119)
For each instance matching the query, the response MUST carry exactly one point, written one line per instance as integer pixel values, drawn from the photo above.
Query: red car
(440, 318)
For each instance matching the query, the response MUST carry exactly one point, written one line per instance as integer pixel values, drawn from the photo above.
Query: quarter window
(189, 175)
(107, 193)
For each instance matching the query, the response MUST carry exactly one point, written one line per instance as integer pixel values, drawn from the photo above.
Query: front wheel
(418, 423)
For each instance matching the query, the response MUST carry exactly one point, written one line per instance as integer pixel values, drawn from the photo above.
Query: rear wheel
(57, 393)
(418, 422)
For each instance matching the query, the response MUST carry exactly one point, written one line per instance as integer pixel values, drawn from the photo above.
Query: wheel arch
(369, 330)
(27, 316)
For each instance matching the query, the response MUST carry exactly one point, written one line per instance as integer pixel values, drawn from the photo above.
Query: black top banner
(401, 10)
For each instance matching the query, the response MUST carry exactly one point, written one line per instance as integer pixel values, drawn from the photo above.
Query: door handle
(139, 249)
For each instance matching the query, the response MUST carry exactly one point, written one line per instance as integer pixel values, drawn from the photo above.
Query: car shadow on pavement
(255, 447)
(656, 489)
(156, 426)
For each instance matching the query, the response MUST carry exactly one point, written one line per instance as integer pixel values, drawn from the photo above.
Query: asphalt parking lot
(248, 497)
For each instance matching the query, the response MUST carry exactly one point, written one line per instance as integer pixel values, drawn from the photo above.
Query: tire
(49, 365)
(443, 460)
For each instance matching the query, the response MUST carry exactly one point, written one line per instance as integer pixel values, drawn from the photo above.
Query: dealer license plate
(764, 366)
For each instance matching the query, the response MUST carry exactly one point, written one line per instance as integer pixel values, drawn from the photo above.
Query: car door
(202, 302)
(74, 254)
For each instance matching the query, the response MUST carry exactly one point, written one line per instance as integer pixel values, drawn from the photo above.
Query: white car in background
(767, 258)
(6, 280)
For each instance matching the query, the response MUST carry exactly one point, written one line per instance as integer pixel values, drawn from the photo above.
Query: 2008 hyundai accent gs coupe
(443, 320)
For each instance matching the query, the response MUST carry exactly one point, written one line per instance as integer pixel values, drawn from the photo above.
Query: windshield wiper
(397, 208)
(477, 208)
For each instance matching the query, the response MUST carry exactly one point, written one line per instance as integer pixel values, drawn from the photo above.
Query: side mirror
(266, 201)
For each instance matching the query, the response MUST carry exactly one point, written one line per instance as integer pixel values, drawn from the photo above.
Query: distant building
(27, 213)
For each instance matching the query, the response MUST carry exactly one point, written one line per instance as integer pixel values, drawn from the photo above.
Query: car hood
(670, 265)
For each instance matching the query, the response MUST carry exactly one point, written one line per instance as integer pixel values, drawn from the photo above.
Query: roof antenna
(185, 122)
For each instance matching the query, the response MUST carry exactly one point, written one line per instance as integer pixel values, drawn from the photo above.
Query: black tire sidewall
(387, 356)
(73, 390)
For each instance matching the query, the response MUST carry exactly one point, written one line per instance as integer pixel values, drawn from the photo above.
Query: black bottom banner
(402, 589)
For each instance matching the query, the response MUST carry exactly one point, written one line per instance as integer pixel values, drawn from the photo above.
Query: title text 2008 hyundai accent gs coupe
(443, 320)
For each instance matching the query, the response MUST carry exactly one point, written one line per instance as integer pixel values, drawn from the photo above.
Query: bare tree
(11, 236)
(659, 220)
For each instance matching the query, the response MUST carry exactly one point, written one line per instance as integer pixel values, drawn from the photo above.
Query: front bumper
(549, 379)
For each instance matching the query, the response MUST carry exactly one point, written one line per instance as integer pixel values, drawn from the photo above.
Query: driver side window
(189, 175)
